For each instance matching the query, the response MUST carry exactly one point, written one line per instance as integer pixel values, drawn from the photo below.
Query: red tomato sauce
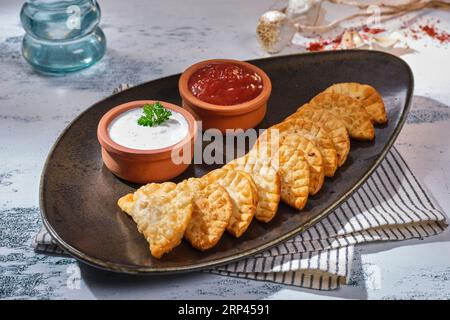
(225, 84)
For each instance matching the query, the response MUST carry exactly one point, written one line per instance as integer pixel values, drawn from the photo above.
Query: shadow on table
(196, 285)
(199, 285)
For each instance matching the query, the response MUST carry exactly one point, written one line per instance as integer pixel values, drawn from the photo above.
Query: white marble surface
(150, 39)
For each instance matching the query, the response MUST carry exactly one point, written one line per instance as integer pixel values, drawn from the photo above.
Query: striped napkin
(391, 205)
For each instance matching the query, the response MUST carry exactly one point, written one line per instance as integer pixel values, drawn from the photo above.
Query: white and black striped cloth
(391, 205)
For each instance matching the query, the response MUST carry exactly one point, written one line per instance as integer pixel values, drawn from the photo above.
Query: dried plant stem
(367, 5)
(389, 12)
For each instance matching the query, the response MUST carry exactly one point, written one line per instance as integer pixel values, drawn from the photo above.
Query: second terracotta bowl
(143, 166)
(239, 116)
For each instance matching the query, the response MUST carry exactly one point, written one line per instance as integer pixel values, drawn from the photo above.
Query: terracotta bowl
(144, 166)
(244, 115)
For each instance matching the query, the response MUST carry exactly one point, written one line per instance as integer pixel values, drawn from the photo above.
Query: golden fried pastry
(332, 125)
(369, 97)
(316, 134)
(294, 173)
(268, 147)
(312, 156)
(240, 187)
(211, 213)
(348, 110)
(126, 203)
(267, 183)
(252, 185)
(162, 212)
(289, 163)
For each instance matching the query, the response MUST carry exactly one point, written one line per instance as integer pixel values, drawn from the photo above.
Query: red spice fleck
(322, 44)
(318, 45)
(338, 39)
(366, 29)
(315, 46)
(415, 35)
(432, 32)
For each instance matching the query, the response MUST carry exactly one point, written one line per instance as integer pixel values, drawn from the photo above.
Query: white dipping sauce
(124, 130)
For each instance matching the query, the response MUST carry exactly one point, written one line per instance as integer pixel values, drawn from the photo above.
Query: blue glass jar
(62, 35)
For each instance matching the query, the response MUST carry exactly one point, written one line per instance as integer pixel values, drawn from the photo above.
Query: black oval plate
(78, 194)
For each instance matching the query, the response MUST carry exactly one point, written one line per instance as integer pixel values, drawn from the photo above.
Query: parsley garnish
(154, 114)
